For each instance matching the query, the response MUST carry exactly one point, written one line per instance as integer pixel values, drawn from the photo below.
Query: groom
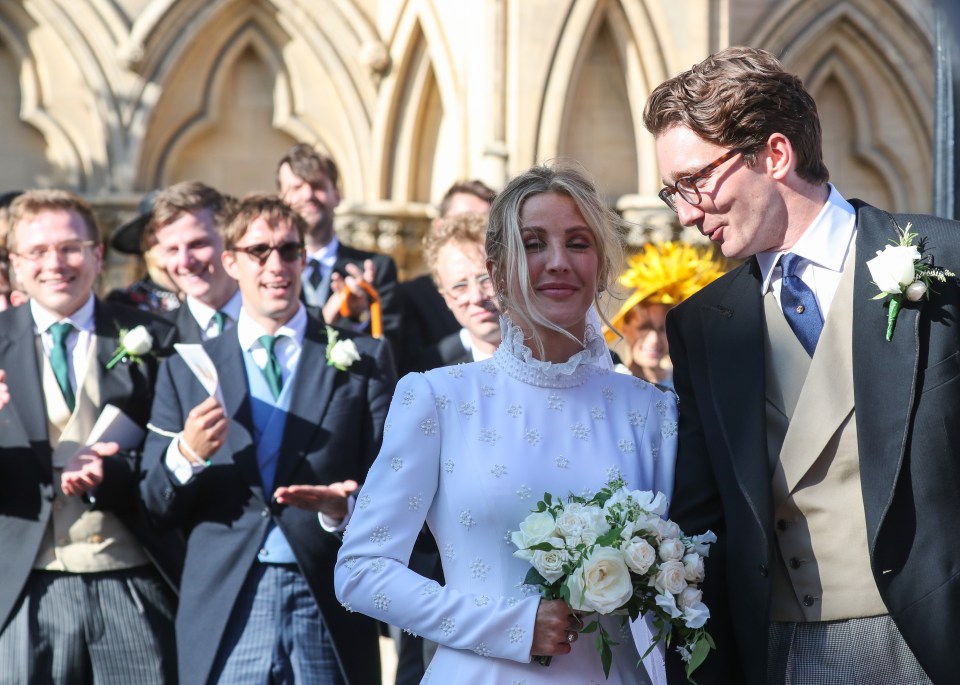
(245, 479)
(824, 456)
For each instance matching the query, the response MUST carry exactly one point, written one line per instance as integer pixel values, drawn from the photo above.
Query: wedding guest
(818, 445)
(88, 589)
(335, 272)
(184, 227)
(300, 422)
(456, 256)
(155, 292)
(657, 278)
(10, 295)
(469, 448)
(427, 320)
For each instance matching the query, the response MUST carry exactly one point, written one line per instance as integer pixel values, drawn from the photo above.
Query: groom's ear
(779, 158)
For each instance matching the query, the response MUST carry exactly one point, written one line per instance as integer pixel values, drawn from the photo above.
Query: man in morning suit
(822, 453)
(87, 593)
(308, 182)
(246, 480)
(183, 225)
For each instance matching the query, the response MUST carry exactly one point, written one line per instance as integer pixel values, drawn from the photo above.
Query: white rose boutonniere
(341, 354)
(133, 345)
(901, 271)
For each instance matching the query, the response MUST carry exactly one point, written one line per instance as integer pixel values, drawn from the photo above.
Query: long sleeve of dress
(372, 575)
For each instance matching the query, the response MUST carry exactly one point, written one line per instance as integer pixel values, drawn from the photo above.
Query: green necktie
(221, 320)
(59, 361)
(272, 370)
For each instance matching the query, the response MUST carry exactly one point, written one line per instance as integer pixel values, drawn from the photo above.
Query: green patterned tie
(272, 370)
(59, 361)
(221, 319)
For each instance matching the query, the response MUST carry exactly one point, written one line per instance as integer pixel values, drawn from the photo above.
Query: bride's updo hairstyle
(506, 256)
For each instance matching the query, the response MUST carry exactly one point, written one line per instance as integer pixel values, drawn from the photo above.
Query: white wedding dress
(470, 449)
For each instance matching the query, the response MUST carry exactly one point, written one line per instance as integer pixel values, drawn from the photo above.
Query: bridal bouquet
(615, 553)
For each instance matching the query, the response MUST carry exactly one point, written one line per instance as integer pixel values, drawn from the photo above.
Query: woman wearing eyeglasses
(470, 449)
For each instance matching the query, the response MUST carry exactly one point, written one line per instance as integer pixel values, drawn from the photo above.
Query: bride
(470, 448)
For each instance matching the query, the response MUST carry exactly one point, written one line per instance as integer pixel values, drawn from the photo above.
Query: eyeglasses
(461, 289)
(687, 188)
(289, 252)
(68, 250)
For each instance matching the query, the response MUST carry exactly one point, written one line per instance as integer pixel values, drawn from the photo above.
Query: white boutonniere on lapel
(902, 271)
(133, 345)
(341, 354)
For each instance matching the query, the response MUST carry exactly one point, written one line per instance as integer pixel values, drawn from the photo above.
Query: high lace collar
(514, 357)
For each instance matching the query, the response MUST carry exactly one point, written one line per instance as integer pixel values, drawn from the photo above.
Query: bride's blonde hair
(505, 250)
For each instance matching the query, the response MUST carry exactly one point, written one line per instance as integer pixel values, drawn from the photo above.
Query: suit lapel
(313, 386)
(734, 329)
(116, 384)
(27, 411)
(885, 373)
(188, 330)
(227, 357)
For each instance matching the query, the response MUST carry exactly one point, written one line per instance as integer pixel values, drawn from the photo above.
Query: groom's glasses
(289, 252)
(686, 187)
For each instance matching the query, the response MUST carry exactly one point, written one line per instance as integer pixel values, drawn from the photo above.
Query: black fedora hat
(127, 237)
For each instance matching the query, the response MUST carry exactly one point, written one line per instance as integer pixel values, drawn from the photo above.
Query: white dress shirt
(825, 244)
(78, 341)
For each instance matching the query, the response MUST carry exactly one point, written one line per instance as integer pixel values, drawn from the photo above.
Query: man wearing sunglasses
(245, 479)
(336, 273)
(819, 431)
(183, 224)
(88, 589)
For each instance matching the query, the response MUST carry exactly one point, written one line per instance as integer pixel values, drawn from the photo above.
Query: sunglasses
(289, 252)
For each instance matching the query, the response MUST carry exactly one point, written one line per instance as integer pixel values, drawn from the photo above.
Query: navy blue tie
(799, 304)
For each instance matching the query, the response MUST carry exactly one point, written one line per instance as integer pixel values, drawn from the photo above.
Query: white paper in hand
(114, 426)
(202, 367)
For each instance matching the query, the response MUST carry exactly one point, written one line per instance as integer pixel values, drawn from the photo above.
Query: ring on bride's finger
(571, 637)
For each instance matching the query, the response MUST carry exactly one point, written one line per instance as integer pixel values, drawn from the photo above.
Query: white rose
(602, 583)
(668, 529)
(671, 577)
(343, 354)
(137, 341)
(693, 567)
(639, 555)
(650, 524)
(583, 522)
(696, 616)
(671, 549)
(689, 597)
(536, 528)
(549, 564)
(893, 267)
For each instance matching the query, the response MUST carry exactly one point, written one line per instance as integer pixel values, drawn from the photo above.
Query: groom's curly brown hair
(737, 98)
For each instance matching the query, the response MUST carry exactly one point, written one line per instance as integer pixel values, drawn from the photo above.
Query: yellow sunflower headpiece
(666, 273)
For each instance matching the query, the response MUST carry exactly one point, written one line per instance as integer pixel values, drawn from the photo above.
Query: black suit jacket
(26, 481)
(426, 322)
(332, 433)
(188, 330)
(907, 399)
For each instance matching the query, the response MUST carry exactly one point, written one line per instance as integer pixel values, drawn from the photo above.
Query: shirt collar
(327, 254)
(82, 319)
(825, 243)
(203, 312)
(249, 331)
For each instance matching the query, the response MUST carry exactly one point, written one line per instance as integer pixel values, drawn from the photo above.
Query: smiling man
(245, 480)
(818, 444)
(184, 225)
(83, 597)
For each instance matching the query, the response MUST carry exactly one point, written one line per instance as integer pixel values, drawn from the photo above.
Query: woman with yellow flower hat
(658, 278)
